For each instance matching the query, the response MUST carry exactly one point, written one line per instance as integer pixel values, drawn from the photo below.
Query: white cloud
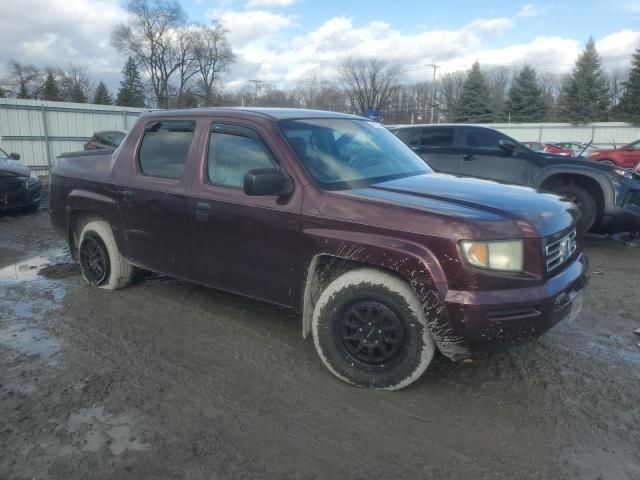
(530, 10)
(269, 3)
(252, 25)
(632, 6)
(46, 32)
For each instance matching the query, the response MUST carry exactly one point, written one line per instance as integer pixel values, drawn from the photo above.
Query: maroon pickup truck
(330, 215)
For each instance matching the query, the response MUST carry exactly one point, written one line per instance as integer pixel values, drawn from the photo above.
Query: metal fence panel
(41, 130)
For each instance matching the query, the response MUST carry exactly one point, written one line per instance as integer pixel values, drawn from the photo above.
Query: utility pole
(433, 90)
(256, 84)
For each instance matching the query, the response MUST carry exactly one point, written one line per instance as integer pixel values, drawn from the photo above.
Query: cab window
(481, 138)
(165, 147)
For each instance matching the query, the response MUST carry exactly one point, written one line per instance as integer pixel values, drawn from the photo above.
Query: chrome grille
(560, 249)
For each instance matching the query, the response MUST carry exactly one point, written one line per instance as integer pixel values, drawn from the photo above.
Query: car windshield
(342, 154)
(634, 145)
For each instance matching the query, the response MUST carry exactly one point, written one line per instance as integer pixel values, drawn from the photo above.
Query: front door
(244, 244)
(154, 200)
(482, 157)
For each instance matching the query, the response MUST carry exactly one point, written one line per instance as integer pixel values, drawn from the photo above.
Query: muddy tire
(369, 330)
(585, 202)
(100, 260)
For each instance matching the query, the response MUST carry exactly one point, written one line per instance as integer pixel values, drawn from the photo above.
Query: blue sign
(374, 114)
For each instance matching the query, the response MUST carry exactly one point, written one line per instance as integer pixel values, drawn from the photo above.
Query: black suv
(604, 194)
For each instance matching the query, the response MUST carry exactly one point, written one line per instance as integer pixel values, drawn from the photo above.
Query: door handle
(468, 157)
(127, 195)
(202, 211)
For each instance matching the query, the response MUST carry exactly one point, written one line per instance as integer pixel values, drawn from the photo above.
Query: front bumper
(486, 320)
(25, 196)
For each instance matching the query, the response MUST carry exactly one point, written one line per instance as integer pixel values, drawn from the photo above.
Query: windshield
(633, 145)
(342, 154)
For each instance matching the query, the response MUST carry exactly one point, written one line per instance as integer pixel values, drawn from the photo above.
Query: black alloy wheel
(94, 260)
(370, 334)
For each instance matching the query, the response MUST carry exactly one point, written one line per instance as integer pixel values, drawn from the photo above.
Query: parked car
(604, 194)
(331, 215)
(105, 139)
(19, 185)
(557, 150)
(535, 146)
(578, 149)
(623, 157)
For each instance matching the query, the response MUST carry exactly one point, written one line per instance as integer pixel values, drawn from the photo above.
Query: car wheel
(370, 330)
(585, 203)
(101, 263)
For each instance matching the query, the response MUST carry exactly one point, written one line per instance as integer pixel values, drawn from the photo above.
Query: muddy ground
(168, 380)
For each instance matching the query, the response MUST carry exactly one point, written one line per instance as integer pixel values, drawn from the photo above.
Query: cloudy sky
(281, 40)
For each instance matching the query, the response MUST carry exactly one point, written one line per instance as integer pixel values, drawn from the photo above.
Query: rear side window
(231, 156)
(164, 149)
(436, 137)
(482, 139)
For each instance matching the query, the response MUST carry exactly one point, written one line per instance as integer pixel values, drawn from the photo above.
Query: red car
(558, 150)
(624, 157)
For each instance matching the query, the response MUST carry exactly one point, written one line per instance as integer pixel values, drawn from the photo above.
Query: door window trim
(147, 128)
(239, 131)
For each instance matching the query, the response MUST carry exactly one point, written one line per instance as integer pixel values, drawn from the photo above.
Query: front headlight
(499, 255)
(628, 174)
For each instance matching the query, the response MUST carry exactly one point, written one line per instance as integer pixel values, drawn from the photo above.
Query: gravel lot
(169, 380)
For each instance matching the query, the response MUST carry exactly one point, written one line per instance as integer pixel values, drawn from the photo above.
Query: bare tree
(26, 79)
(450, 87)
(498, 79)
(369, 83)
(213, 56)
(307, 90)
(149, 35)
(75, 83)
(615, 80)
(551, 84)
(186, 38)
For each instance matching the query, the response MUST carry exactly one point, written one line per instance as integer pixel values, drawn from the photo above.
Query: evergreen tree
(473, 106)
(525, 102)
(23, 92)
(628, 109)
(77, 94)
(131, 93)
(51, 91)
(585, 96)
(2, 95)
(102, 95)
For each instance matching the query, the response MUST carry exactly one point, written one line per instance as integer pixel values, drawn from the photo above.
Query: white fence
(607, 134)
(40, 131)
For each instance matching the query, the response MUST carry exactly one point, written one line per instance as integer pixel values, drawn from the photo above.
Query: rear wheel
(101, 263)
(585, 203)
(369, 330)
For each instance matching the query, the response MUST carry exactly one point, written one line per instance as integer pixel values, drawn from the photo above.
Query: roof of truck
(269, 113)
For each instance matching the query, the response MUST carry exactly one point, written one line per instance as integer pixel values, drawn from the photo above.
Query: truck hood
(479, 200)
(13, 168)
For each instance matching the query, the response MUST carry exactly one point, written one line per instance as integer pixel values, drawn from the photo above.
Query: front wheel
(370, 330)
(101, 263)
(585, 203)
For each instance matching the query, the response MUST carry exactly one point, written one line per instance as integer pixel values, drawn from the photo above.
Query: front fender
(606, 184)
(415, 263)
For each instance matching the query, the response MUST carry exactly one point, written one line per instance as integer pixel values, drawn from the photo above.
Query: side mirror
(507, 147)
(15, 156)
(266, 181)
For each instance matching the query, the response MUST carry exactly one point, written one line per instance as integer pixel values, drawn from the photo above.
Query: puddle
(28, 269)
(104, 430)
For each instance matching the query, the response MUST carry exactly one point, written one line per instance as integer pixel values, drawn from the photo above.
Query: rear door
(244, 244)
(482, 157)
(436, 145)
(154, 198)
